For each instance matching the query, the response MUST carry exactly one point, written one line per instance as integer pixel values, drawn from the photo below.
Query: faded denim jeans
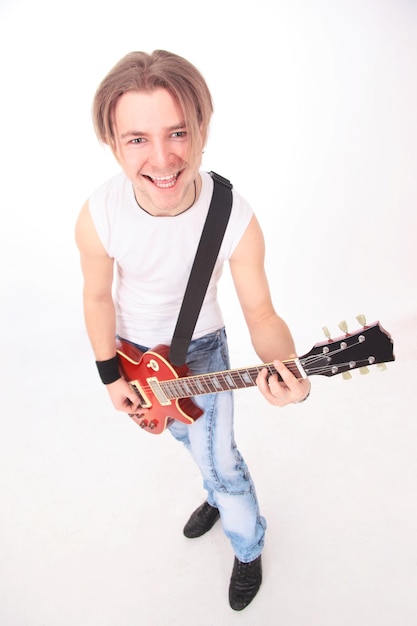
(210, 440)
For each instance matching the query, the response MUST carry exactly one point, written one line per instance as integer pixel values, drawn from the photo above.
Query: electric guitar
(166, 390)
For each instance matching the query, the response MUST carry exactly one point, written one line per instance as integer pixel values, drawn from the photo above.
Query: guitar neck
(227, 380)
(370, 345)
(159, 384)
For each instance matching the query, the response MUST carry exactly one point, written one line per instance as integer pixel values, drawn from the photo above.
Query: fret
(175, 388)
(205, 381)
(228, 379)
(215, 382)
(246, 378)
(199, 385)
(188, 388)
(196, 383)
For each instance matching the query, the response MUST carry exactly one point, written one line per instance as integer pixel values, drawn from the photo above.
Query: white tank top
(154, 256)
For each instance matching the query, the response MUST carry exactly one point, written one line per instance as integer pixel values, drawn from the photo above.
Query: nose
(159, 154)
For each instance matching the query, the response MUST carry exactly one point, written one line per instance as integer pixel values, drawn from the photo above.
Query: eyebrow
(138, 133)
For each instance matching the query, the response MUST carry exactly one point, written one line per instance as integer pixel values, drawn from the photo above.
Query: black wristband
(109, 370)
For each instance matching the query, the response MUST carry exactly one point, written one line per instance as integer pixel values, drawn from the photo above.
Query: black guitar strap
(201, 271)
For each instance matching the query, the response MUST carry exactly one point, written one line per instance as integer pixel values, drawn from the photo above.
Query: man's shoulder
(117, 181)
(110, 191)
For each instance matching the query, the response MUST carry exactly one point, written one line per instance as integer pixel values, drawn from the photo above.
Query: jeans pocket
(208, 353)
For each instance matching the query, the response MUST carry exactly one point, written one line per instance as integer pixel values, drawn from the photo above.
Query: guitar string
(173, 389)
(191, 381)
(254, 370)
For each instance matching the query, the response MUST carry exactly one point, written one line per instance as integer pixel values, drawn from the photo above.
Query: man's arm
(269, 333)
(97, 269)
(99, 312)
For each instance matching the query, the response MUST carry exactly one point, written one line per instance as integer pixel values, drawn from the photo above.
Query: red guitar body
(144, 373)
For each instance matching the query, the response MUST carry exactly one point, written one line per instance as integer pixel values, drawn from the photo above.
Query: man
(154, 113)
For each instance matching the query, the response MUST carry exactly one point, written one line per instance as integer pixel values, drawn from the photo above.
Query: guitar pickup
(162, 398)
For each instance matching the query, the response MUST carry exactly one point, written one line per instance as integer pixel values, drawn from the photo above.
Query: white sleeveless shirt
(154, 256)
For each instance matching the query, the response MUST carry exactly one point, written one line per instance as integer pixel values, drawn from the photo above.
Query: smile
(164, 182)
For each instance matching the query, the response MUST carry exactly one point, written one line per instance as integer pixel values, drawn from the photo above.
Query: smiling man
(162, 186)
(154, 111)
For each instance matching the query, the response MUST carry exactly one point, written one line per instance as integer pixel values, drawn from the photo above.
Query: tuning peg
(381, 367)
(346, 375)
(343, 326)
(326, 332)
(364, 370)
(361, 319)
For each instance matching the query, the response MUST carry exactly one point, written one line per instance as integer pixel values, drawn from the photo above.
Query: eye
(137, 140)
(180, 134)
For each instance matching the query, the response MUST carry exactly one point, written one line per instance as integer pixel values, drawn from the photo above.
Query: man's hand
(124, 398)
(282, 392)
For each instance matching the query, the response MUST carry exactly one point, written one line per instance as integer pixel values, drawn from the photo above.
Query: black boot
(201, 521)
(244, 583)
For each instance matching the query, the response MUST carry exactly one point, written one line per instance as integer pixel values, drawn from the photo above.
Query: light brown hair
(139, 71)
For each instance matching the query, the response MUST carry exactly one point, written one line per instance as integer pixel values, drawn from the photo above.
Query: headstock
(370, 345)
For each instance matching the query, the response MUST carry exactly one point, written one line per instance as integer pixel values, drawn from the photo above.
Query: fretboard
(216, 382)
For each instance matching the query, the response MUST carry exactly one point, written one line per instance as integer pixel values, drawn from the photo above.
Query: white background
(315, 124)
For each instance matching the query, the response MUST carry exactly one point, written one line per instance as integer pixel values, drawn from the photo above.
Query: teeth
(163, 177)
(164, 181)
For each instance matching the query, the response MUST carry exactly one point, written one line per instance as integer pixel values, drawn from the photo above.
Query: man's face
(151, 145)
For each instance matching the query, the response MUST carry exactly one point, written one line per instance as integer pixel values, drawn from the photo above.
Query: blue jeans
(210, 440)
